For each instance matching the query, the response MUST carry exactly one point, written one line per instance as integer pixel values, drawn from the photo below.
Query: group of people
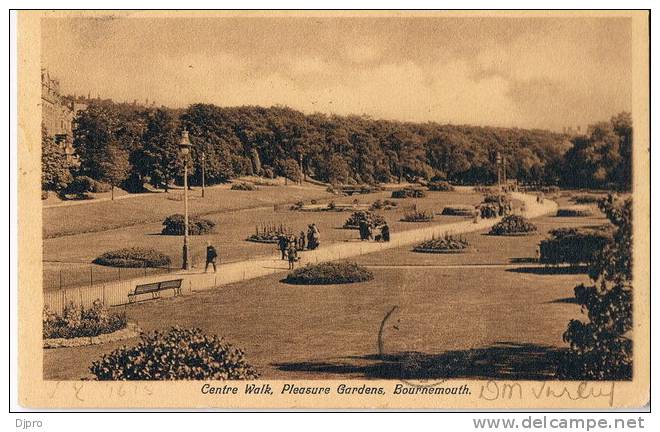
(367, 231)
(290, 245)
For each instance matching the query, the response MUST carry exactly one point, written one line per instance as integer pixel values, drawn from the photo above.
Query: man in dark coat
(211, 256)
(283, 243)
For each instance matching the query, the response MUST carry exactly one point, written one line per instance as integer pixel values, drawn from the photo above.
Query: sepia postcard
(334, 209)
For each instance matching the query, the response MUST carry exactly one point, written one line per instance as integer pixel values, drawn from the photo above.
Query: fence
(73, 275)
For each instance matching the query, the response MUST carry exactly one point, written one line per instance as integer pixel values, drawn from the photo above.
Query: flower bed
(78, 322)
(383, 205)
(408, 192)
(418, 216)
(575, 211)
(459, 210)
(372, 219)
(441, 186)
(243, 186)
(446, 244)
(587, 199)
(513, 225)
(329, 273)
(130, 331)
(269, 233)
(134, 257)
(175, 224)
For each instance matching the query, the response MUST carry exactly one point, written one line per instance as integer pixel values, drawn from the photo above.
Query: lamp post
(184, 148)
(203, 173)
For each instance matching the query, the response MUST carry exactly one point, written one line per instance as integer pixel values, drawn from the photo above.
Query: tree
(600, 348)
(115, 166)
(94, 129)
(290, 169)
(159, 158)
(55, 174)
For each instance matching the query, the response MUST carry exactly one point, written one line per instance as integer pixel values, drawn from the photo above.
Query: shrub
(573, 245)
(174, 225)
(268, 172)
(372, 219)
(586, 199)
(178, 354)
(447, 243)
(133, 257)
(328, 273)
(383, 205)
(513, 225)
(78, 322)
(575, 211)
(459, 210)
(488, 211)
(497, 198)
(243, 186)
(418, 216)
(408, 192)
(442, 186)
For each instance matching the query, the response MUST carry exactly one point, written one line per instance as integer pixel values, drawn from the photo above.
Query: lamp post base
(186, 258)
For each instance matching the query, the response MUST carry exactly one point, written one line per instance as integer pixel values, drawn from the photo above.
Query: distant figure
(301, 241)
(385, 232)
(292, 253)
(313, 237)
(364, 230)
(211, 256)
(283, 244)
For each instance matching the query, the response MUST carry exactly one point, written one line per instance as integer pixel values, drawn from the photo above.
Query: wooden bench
(155, 288)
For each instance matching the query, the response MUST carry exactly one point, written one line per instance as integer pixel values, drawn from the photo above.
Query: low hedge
(177, 354)
(573, 245)
(417, 216)
(78, 322)
(133, 257)
(513, 225)
(243, 186)
(575, 211)
(372, 219)
(587, 199)
(174, 225)
(408, 192)
(459, 210)
(329, 273)
(441, 186)
(447, 243)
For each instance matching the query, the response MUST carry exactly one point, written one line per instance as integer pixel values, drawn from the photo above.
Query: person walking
(385, 232)
(301, 241)
(283, 244)
(364, 230)
(211, 256)
(292, 253)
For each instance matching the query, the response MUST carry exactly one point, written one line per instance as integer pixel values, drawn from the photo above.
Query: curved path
(116, 293)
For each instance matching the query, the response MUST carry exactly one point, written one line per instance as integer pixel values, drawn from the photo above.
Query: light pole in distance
(184, 148)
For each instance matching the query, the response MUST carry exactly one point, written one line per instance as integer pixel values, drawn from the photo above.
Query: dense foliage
(372, 219)
(78, 322)
(409, 192)
(328, 273)
(177, 354)
(513, 225)
(573, 245)
(133, 257)
(601, 348)
(175, 225)
(55, 174)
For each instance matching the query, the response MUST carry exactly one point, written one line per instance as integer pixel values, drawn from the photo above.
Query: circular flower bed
(175, 224)
(329, 273)
(133, 257)
(575, 211)
(458, 210)
(513, 225)
(372, 219)
(418, 216)
(269, 233)
(446, 244)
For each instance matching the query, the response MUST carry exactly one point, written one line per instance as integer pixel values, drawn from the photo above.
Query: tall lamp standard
(184, 148)
(203, 173)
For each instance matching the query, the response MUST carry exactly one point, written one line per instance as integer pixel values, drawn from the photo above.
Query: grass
(71, 254)
(330, 332)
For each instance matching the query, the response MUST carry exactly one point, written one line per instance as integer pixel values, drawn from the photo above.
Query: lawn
(468, 322)
(72, 254)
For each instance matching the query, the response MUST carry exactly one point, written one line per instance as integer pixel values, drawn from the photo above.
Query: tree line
(128, 146)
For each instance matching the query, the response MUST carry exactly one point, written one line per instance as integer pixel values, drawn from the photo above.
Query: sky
(524, 72)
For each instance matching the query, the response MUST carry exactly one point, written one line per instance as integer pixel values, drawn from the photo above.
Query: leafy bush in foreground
(178, 354)
(573, 245)
(372, 219)
(408, 192)
(328, 273)
(78, 322)
(512, 225)
(174, 225)
(133, 257)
